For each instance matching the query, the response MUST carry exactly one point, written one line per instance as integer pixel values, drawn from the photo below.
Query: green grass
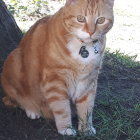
(122, 59)
(114, 121)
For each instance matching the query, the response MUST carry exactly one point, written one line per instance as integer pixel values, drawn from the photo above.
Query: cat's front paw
(68, 131)
(88, 131)
(91, 131)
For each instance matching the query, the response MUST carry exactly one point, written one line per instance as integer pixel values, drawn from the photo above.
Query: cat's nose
(90, 33)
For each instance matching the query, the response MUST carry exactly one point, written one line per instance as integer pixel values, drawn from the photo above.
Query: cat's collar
(80, 40)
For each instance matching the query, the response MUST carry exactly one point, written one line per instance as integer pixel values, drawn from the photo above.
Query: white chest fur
(81, 84)
(74, 47)
(94, 59)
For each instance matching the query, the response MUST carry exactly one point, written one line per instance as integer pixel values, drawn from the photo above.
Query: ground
(117, 107)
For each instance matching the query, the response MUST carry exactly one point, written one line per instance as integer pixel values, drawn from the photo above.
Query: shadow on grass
(116, 112)
(117, 107)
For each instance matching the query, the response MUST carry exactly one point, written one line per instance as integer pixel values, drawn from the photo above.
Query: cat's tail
(6, 99)
(9, 102)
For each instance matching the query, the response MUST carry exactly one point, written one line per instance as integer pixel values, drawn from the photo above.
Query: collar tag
(83, 52)
(96, 48)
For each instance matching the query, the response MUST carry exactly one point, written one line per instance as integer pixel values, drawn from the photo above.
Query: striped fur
(45, 72)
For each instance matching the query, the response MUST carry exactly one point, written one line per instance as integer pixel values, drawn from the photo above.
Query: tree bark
(10, 34)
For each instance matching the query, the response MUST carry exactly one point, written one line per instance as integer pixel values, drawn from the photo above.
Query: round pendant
(83, 52)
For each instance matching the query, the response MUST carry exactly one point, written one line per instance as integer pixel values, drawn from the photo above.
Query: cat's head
(88, 20)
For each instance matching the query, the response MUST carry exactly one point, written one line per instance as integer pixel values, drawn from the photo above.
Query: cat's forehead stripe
(92, 7)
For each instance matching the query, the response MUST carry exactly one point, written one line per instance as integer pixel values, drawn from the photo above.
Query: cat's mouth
(88, 40)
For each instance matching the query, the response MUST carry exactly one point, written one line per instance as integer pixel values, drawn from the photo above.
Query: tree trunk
(10, 34)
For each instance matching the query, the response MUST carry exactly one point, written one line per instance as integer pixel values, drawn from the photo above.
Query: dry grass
(125, 34)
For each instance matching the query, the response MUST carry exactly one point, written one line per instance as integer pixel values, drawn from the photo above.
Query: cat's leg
(60, 105)
(84, 107)
(15, 100)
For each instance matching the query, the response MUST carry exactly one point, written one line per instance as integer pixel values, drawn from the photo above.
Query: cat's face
(88, 20)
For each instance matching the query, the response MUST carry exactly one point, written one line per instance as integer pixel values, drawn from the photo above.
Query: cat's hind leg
(11, 103)
(32, 115)
(14, 99)
(10, 94)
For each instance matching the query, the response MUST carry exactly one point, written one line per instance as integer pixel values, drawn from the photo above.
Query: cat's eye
(100, 20)
(81, 19)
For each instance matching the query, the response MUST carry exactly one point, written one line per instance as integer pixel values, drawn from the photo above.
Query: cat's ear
(68, 2)
(111, 2)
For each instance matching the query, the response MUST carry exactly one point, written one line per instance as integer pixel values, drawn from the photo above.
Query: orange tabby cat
(58, 61)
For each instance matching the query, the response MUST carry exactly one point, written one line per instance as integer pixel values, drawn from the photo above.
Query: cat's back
(12, 67)
(37, 31)
(40, 22)
(14, 62)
